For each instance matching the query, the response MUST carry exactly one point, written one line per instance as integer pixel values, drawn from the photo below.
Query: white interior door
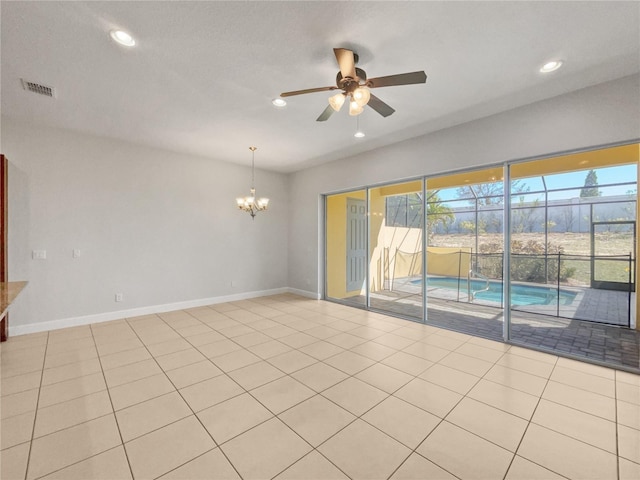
(356, 243)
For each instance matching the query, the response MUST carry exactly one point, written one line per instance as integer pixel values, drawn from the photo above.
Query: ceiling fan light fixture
(354, 108)
(361, 96)
(336, 101)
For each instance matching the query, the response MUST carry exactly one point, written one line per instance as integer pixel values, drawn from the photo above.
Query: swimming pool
(520, 294)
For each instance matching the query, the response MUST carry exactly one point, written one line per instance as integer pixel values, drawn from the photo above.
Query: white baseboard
(305, 293)
(136, 312)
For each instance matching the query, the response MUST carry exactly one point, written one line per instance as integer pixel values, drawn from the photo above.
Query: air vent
(38, 88)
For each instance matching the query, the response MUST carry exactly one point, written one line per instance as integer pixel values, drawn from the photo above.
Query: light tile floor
(289, 388)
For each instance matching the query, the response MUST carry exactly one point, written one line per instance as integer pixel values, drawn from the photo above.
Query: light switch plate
(39, 254)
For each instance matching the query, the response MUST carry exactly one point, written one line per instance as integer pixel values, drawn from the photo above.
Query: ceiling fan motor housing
(348, 84)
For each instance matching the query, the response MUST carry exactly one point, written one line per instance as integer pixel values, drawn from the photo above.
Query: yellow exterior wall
(336, 235)
(398, 254)
(605, 157)
(384, 240)
(377, 265)
(400, 188)
(449, 261)
(383, 264)
(487, 175)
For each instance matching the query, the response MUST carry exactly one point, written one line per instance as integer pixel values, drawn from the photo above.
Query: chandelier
(249, 203)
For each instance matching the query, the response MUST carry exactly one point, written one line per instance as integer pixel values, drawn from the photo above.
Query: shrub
(528, 261)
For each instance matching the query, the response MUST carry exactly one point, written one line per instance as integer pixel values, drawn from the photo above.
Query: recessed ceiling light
(551, 66)
(359, 134)
(123, 38)
(279, 102)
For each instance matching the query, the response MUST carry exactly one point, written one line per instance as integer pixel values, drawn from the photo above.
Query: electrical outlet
(119, 297)
(76, 253)
(234, 283)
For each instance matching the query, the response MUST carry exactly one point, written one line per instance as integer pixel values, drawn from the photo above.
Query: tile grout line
(476, 383)
(186, 463)
(530, 421)
(185, 401)
(79, 461)
(113, 410)
(411, 450)
(615, 392)
(35, 417)
(53, 404)
(443, 419)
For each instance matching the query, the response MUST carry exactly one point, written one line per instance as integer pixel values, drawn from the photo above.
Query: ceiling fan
(354, 85)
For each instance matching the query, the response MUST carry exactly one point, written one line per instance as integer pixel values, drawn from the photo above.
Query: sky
(606, 176)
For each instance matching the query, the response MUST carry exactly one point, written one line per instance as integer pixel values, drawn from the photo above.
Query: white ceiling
(203, 75)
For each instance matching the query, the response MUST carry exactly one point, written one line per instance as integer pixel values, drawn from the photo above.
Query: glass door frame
(425, 242)
(506, 255)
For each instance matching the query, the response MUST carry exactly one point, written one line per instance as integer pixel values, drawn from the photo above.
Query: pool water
(520, 294)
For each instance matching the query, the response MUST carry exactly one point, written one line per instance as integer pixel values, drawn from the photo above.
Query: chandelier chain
(253, 166)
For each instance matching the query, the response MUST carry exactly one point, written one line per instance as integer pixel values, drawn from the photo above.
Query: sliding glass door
(396, 222)
(465, 238)
(540, 253)
(572, 255)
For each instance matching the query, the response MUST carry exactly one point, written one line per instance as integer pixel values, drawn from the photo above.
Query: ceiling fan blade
(308, 90)
(346, 61)
(324, 116)
(379, 106)
(400, 79)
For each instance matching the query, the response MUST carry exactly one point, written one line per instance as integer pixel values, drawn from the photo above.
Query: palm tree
(437, 213)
